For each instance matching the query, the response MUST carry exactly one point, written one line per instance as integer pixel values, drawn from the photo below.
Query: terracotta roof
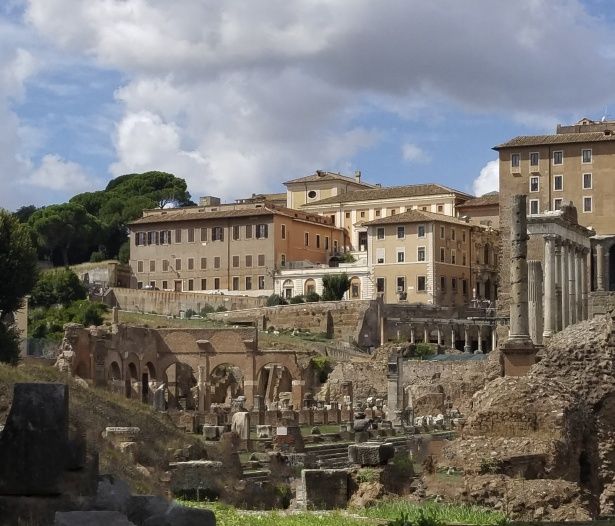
(558, 138)
(490, 199)
(415, 216)
(390, 192)
(193, 213)
(328, 176)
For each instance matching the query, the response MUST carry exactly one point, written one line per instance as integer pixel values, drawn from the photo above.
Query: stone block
(319, 417)
(370, 453)
(240, 424)
(333, 416)
(117, 435)
(264, 431)
(196, 479)
(325, 489)
(91, 518)
(305, 417)
(288, 438)
(34, 442)
(213, 432)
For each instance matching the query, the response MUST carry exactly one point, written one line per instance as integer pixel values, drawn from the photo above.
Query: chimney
(357, 176)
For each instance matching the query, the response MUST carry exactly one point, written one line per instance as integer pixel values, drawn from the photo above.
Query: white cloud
(413, 153)
(55, 173)
(489, 178)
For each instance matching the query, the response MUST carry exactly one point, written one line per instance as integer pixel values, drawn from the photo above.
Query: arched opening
(115, 373)
(355, 288)
(309, 286)
(612, 267)
(273, 379)
(287, 289)
(225, 383)
(148, 376)
(131, 380)
(82, 370)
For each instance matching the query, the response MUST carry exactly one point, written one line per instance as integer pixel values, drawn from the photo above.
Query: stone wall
(431, 384)
(353, 321)
(171, 303)
(601, 304)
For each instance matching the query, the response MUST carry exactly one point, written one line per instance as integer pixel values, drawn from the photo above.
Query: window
(442, 233)
(235, 261)
(443, 283)
(139, 238)
(262, 231)
(235, 282)
(335, 246)
(203, 263)
(261, 283)
(515, 160)
(586, 156)
(421, 230)
(139, 284)
(248, 231)
(421, 283)
(178, 235)
(217, 262)
(203, 234)
(178, 264)
(317, 241)
(453, 257)
(587, 181)
(165, 237)
(312, 194)
(420, 254)
(283, 260)
(217, 233)
(534, 206)
(190, 263)
(261, 260)
(139, 266)
(248, 261)
(534, 158)
(191, 235)
(306, 239)
(534, 184)
(190, 284)
(362, 213)
(557, 203)
(587, 204)
(401, 284)
(401, 232)
(464, 287)
(424, 208)
(152, 238)
(464, 259)
(380, 255)
(454, 284)
(558, 157)
(401, 255)
(217, 283)
(440, 209)
(558, 183)
(283, 231)
(347, 215)
(203, 284)
(165, 265)
(380, 285)
(377, 213)
(326, 242)
(165, 285)
(152, 265)
(442, 255)
(453, 234)
(392, 211)
(380, 233)
(463, 236)
(235, 232)
(248, 282)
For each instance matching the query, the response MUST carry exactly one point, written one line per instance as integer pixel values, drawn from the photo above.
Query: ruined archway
(131, 378)
(226, 383)
(273, 379)
(309, 286)
(115, 372)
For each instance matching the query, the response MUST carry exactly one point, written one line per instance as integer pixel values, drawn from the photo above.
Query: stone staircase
(330, 456)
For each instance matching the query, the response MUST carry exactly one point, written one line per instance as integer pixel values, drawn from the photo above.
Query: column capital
(566, 243)
(551, 237)
(584, 251)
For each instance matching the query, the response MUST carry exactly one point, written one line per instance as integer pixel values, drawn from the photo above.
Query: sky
(239, 96)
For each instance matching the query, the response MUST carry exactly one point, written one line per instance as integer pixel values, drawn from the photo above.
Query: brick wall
(601, 303)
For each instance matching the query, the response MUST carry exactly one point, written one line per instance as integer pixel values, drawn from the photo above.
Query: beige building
(483, 210)
(233, 249)
(351, 210)
(574, 165)
(424, 257)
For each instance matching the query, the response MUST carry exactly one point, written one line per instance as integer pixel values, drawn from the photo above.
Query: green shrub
(207, 309)
(368, 475)
(323, 367)
(334, 286)
(190, 313)
(296, 300)
(312, 297)
(57, 287)
(423, 350)
(124, 253)
(221, 308)
(275, 299)
(9, 344)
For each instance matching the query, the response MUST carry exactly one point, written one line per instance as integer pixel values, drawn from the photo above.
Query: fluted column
(572, 289)
(584, 283)
(411, 333)
(578, 284)
(439, 335)
(466, 334)
(480, 339)
(558, 286)
(453, 336)
(549, 296)
(565, 284)
(600, 267)
(534, 301)
(425, 334)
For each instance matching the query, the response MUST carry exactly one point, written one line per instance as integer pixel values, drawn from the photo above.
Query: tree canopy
(57, 287)
(334, 286)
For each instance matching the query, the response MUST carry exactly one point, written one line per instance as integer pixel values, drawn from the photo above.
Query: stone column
(558, 286)
(453, 336)
(494, 338)
(439, 335)
(549, 296)
(479, 331)
(466, 334)
(534, 275)
(411, 333)
(600, 267)
(579, 279)
(565, 310)
(584, 283)
(425, 334)
(572, 278)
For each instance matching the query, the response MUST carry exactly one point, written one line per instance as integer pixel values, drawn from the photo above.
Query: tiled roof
(193, 213)
(415, 216)
(328, 176)
(558, 138)
(490, 199)
(390, 192)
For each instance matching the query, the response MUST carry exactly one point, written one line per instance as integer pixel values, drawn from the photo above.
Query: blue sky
(239, 96)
